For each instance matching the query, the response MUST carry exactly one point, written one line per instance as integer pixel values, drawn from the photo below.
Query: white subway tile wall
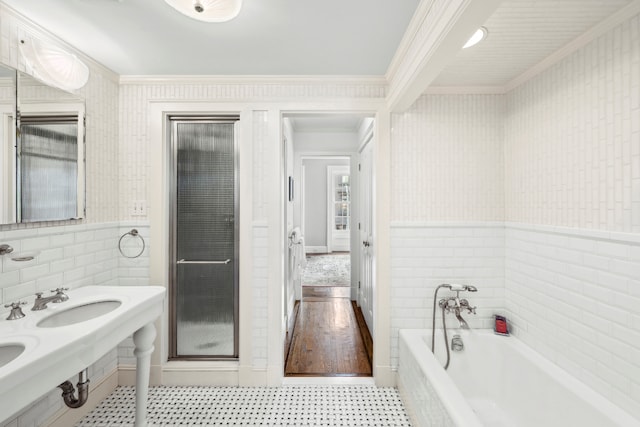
(425, 256)
(260, 149)
(447, 159)
(573, 295)
(40, 411)
(572, 183)
(572, 139)
(259, 332)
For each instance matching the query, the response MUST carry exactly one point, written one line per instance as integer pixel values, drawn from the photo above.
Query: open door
(366, 286)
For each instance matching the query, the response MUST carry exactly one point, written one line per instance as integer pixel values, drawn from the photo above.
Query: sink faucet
(41, 303)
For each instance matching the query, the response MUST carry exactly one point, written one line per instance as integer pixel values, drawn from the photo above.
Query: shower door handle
(183, 261)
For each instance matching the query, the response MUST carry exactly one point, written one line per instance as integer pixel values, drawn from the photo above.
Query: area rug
(327, 270)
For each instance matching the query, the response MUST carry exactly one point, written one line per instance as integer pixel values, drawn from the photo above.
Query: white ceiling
(521, 34)
(269, 37)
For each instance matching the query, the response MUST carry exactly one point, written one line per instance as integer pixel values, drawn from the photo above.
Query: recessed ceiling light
(208, 10)
(477, 37)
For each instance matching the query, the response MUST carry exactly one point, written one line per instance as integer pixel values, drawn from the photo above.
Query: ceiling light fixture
(208, 10)
(53, 65)
(480, 34)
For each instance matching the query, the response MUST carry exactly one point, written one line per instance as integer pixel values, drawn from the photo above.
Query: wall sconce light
(53, 65)
(208, 10)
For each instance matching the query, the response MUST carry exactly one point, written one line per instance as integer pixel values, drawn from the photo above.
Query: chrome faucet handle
(471, 310)
(16, 311)
(60, 292)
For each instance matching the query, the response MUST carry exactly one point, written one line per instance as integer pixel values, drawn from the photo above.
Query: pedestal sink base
(143, 340)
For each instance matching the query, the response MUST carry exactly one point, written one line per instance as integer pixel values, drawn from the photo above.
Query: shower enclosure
(204, 238)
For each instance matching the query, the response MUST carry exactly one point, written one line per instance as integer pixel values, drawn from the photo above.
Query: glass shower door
(204, 245)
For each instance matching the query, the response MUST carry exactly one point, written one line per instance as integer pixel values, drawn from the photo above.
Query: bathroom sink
(8, 352)
(79, 313)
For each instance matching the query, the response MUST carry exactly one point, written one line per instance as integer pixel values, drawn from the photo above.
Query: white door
(366, 285)
(338, 209)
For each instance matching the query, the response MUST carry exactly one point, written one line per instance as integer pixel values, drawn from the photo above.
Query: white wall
(557, 159)
(447, 207)
(262, 269)
(447, 159)
(572, 150)
(324, 143)
(71, 253)
(315, 199)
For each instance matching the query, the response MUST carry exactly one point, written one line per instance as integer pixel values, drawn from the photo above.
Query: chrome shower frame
(171, 132)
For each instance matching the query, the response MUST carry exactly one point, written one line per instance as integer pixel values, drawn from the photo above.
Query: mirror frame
(61, 108)
(8, 156)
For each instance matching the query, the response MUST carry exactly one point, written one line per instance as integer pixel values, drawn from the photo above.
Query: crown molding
(409, 37)
(252, 79)
(590, 35)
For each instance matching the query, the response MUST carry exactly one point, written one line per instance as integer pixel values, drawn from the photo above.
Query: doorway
(326, 334)
(203, 255)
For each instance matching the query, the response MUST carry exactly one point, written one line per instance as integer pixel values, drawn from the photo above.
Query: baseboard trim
(127, 375)
(66, 417)
(384, 376)
(315, 249)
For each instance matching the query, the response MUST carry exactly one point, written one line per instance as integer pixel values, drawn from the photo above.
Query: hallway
(329, 336)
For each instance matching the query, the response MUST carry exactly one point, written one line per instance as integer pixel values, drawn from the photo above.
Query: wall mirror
(50, 160)
(7, 145)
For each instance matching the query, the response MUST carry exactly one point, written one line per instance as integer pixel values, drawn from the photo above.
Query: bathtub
(495, 381)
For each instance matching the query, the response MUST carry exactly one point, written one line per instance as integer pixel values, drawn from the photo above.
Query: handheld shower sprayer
(459, 288)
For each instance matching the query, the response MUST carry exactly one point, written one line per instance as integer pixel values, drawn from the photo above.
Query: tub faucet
(41, 303)
(457, 305)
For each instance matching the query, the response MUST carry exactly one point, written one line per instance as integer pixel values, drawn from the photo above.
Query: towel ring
(133, 233)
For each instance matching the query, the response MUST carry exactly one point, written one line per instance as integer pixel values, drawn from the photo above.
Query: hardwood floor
(326, 338)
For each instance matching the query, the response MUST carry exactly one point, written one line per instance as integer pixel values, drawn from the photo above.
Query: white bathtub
(495, 381)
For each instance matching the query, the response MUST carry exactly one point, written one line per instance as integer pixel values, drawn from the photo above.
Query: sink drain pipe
(83, 391)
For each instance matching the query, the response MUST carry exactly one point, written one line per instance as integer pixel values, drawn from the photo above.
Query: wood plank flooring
(326, 338)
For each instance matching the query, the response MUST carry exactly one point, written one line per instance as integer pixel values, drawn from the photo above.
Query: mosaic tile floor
(255, 406)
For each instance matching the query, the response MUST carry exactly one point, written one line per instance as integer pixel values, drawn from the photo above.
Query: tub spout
(463, 323)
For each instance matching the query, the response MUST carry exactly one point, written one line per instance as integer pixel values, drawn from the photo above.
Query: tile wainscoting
(572, 295)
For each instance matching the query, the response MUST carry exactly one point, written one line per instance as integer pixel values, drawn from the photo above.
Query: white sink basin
(50, 346)
(80, 313)
(8, 352)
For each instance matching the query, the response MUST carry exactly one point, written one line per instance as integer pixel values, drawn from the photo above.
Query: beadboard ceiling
(269, 37)
(522, 33)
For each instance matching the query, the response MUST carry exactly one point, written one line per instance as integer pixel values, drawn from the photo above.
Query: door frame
(176, 372)
(383, 375)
